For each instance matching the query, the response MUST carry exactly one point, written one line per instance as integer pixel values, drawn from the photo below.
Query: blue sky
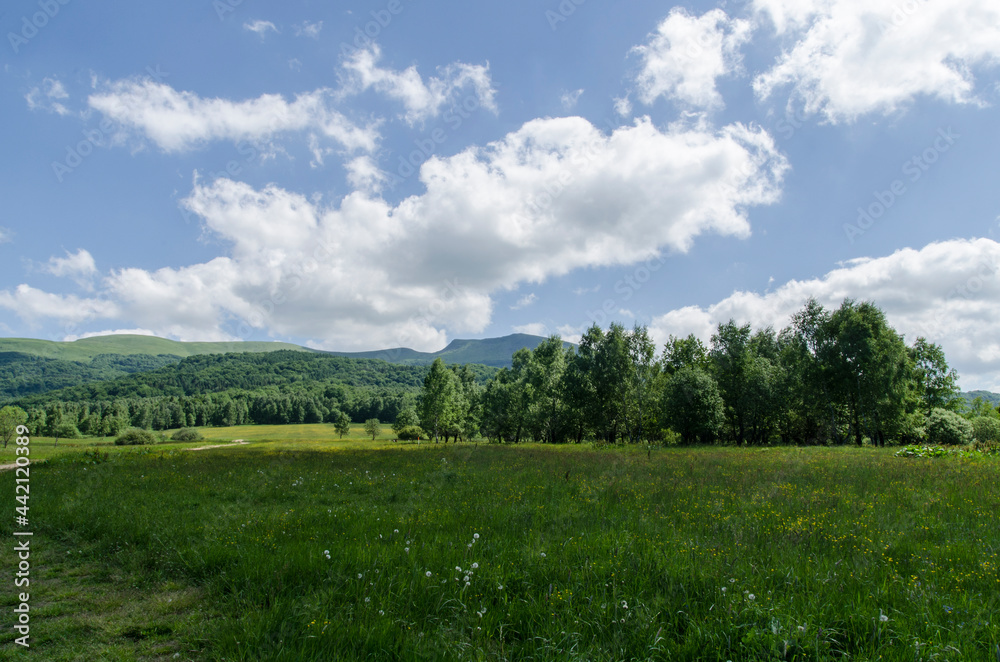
(397, 173)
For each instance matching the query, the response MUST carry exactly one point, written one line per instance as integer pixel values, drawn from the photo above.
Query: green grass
(579, 553)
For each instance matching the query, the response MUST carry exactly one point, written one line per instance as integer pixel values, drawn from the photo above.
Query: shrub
(187, 434)
(409, 433)
(947, 427)
(986, 430)
(135, 437)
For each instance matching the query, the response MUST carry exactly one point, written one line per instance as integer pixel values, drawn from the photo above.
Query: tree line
(831, 377)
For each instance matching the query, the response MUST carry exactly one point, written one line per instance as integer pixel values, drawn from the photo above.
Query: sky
(366, 175)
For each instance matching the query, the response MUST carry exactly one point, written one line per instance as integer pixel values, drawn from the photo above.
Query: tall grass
(491, 553)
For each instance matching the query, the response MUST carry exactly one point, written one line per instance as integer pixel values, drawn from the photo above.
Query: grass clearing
(565, 553)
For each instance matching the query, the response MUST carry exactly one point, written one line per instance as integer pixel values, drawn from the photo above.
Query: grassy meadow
(298, 546)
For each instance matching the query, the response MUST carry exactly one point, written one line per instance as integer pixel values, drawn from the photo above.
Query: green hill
(87, 349)
(992, 398)
(496, 352)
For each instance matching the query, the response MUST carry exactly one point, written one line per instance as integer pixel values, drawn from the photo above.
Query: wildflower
(359, 575)
(723, 589)
(500, 587)
(457, 569)
(752, 596)
(428, 573)
(368, 599)
(624, 605)
(395, 530)
(543, 555)
(475, 536)
(475, 566)
(882, 617)
(406, 549)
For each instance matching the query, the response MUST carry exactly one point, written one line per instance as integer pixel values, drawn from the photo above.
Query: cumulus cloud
(421, 99)
(260, 27)
(108, 332)
(947, 292)
(178, 121)
(79, 266)
(853, 57)
(687, 54)
(48, 96)
(33, 305)
(548, 198)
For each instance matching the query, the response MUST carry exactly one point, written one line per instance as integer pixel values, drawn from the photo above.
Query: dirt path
(234, 442)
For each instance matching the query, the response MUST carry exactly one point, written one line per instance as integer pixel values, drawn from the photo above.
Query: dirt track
(234, 442)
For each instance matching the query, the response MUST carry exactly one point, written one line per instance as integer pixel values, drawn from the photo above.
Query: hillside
(87, 349)
(992, 398)
(496, 352)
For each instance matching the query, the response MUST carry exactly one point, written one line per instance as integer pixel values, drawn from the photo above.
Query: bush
(410, 433)
(187, 434)
(135, 437)
(947, 427)
(986, 430)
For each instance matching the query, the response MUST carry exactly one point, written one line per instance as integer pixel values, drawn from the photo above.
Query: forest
(831, 377)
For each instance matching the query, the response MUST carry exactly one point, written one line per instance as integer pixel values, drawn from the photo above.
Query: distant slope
(197, 375)
(495, 352)
(89, 348)
(992, 398)
(25, 374)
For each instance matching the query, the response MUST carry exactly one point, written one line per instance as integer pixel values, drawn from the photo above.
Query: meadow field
(298, 546)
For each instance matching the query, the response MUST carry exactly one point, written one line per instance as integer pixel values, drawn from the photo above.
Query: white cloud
(48, 96)
(686, 54)
(948, 292)
(853, 57)
(533, 329)
(32, 304)
(295, 64)
(79, 266)
(623, 106)
(260, 27)
(569, 99)
(422, 100)
(363, 174)
(179, 121)
(524, 301)
(6, 235)
(307, 29)
(108, 332)
(554, 196)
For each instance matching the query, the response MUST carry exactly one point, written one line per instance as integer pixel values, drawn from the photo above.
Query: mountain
(495, 352)
(32, 367)
(87, 349)
(992, 398)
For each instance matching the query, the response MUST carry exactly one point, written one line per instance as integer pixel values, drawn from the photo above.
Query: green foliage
(409, 433)
(373, 427)
(986, 431)
(187, 434)
(343, 424)
(947, 427)
(922, 451)
(692, 405)
(406, 418)
(10, 419)
(135, 437)
(23, 375)
(66, 430)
